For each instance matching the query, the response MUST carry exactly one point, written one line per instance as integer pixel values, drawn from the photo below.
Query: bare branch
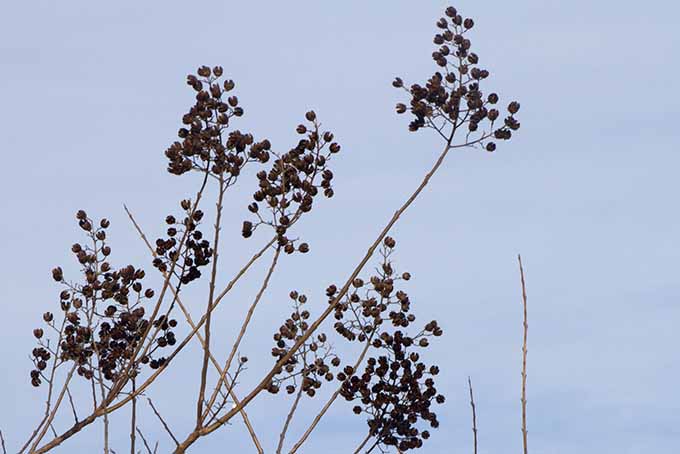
(146, 445)
(289, 418)
(211, 298)
(124, 376)
(48, 402)
(524, 358)
(133, 421)
(332, 399)
(48, 421)
(73, 407)
(474, 417)
(244, 326)
(2, 442)
(363, 443)
(165, 426)
(189, 320)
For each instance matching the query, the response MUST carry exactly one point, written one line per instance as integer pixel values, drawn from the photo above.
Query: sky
(587, 191)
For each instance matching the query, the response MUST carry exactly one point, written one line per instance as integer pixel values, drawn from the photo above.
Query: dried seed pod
(58, 274)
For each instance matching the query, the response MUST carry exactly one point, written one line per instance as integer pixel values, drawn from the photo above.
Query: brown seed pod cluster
(396, 389)
(195, 252)
(103, 317)
(311, 365)
(288, 188)
(203, 145)
(374, 301)
(166, 338)
(452, 99)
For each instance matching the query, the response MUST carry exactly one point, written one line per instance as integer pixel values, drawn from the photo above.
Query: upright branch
(146, 444)
(192, 325)
(133, 422)
(211, 298)
(289, 418)
(225, 370)
(160, 418)
(524, 358)
(474, 417)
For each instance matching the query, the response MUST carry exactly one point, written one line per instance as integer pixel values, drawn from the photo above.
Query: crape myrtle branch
(367, 329)
(525, 327)
(225, 370)
(264, 383)
(222, 162)
(163, 423)
(289, 417)
(443, 95)
(146, 444)
(287, 165)
(101, 409)
(332, 398)
(125, 376)
(211, 296)
(474, 417)
(133, 423)
(190, 321)
(451, 103)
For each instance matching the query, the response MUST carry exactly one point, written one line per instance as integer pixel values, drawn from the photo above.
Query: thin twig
(125, 375)
(48, 402)
(289, 418)
(73, 407)
(244, 327)
(208, 311)
(165, 426)
(524, 358)
(330, 401)
(53, 413)
(148, 449)
(189, 320)
(2, 441)
(363, 443)
(474, 417)
(133, 422)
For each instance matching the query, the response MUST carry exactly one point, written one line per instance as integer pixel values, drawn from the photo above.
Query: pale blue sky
(93, 92)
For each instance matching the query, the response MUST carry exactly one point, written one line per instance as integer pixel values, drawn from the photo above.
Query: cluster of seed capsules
(311, 365)
(190, 253)
(203, 145)
(452, 99)
(287, 190)
(396, 389)
(103, 317)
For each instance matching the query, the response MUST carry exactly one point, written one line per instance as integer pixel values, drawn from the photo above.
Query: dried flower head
(452, 99)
